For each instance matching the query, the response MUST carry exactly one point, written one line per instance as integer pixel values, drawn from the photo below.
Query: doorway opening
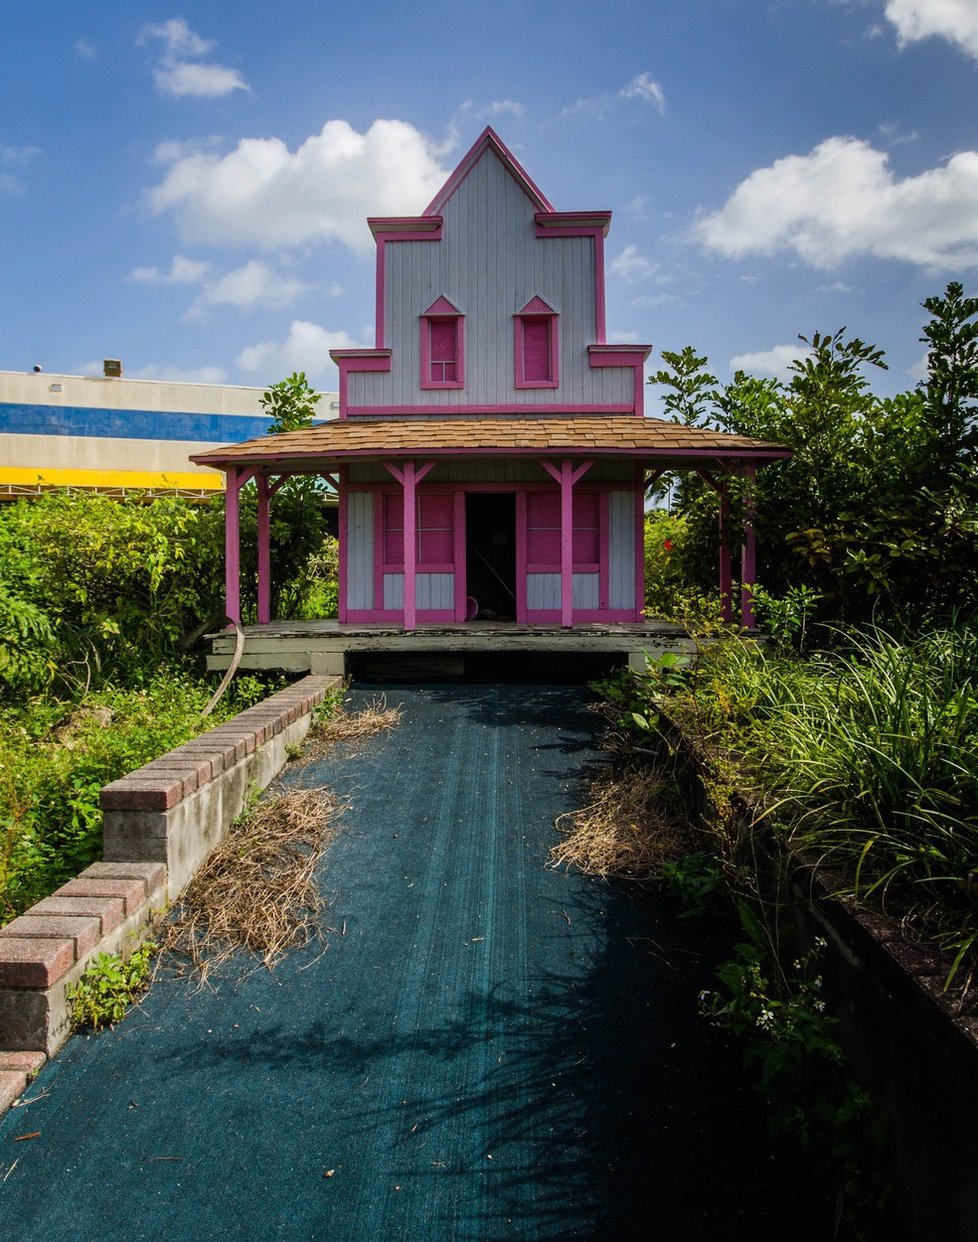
(490, 555)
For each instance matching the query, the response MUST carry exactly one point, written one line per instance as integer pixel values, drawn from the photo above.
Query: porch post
(726, 567)
(410, 540)
(232, 546)
(264, 550)
(567, 476)
(748, 562)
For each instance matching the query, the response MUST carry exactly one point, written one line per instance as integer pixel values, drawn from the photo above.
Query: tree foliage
(877, 509)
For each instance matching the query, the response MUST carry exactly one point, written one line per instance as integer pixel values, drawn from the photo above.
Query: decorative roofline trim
(489, 139)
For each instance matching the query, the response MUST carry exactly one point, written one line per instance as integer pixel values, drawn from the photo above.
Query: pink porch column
(567, 476)
(232, 546)
(409, 476)
(264, 550)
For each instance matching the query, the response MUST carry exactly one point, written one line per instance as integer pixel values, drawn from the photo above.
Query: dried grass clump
(632, 824)
(256, 891)
(350, 729)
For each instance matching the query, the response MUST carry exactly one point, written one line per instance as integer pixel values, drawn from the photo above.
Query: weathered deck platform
(325, 646)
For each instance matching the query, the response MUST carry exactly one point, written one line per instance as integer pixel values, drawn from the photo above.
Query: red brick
(142, 794)
(34, 963)
(213, 755)
(109, 910)
(157, 771)
(153, 874)
(26, 1062)
(84, 930)
(132, 890)
(12, 1086)
(178, 761)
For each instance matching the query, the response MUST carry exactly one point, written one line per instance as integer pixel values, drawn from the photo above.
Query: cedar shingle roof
(579, 435)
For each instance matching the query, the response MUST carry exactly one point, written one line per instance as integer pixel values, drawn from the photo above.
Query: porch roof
(579, 435)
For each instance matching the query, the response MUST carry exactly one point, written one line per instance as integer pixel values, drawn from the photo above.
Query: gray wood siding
(393, 590)
(542, 591)
(490, 264)
(435, 591)
(359, 550)
(621, 550)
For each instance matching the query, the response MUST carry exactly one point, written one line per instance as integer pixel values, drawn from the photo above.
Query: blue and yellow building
(114, 435)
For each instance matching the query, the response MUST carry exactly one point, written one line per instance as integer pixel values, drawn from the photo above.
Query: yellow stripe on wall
(32, 476)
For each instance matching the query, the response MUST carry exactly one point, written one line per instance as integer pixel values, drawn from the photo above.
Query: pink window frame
(536, 311)
(442, 311)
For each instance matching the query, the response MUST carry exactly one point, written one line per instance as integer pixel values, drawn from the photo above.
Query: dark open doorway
(490, 554)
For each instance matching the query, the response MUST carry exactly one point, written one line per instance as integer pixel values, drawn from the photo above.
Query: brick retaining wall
(159, 824)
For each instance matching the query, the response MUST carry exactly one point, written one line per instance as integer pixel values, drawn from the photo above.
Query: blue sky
(185, 187)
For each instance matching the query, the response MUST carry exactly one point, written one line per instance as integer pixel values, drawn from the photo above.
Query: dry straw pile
(257, 889)
(632, 823)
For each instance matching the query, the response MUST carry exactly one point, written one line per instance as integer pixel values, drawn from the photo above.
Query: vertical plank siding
(621, 549)
(360, 550)
(500, 267)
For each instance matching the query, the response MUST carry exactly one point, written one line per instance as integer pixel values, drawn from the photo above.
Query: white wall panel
(393, 590)
(586, 591)
(542, 591)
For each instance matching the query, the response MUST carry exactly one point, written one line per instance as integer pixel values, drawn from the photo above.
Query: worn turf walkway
(492, 1050)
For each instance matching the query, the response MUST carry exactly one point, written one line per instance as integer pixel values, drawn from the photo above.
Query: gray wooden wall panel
(393, 590)
(621, 541)
(586, 591)
(489, 264)
(543, 590)
(435, 591)
(360, 550)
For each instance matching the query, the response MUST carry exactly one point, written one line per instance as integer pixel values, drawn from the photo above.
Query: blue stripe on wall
(70, 420)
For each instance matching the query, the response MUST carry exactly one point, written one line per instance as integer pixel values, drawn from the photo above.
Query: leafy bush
(55, 756)
(109, 986)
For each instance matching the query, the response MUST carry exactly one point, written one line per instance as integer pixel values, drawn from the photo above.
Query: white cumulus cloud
(254, 284)
(180, 76)
(775, 361)
(632, 266)
(306, 348)
(182, 271)
(842, 200)
(954, 20)
(262, 193)
(643, 86)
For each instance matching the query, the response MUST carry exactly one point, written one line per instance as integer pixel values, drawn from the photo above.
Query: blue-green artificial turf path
(492, 1050)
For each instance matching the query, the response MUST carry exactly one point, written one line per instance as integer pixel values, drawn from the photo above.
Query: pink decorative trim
(639, 542)
(748, 568)
(536, 310)
(572, 223)
(460, 570)
(521, 553)
(726, 567)
(488, 139)
(394, 227)
(350, 360)
(600, 327)
(344, 532)
(618, 355)
(552, 616)
(446, 411)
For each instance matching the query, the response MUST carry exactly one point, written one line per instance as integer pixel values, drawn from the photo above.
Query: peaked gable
(488, 140)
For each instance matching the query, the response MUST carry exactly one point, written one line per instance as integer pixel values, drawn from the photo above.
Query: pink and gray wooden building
(491, 454)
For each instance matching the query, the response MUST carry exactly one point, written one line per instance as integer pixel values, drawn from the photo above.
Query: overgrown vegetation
(98, 599)
(109, 986)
